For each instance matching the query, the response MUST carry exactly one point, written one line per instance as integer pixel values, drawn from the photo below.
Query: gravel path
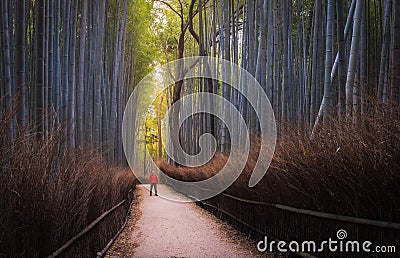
(162, 228)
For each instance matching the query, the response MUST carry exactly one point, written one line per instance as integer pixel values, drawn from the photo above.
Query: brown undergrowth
(348, 169)
(47, 199)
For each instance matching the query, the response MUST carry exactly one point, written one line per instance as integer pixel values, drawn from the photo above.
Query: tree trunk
(327, 102)
(349, 22)
(40, 59)
(353, 56)
(72, 79)
(81, 73)
(395, 69)
(65, 67)
(277, 79)
(270, 63)
(57, 61)
(6, 40)
(313, 105)
(98, 87)
(363, 62)
(113, 104)
(341, 56)
(50, 64)
(385, 49)
(262, 47)
(159, 129)
(20, 60)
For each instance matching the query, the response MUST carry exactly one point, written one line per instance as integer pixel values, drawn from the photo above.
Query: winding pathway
(162, 228)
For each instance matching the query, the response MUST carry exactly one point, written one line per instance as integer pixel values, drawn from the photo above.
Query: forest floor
(161, 228)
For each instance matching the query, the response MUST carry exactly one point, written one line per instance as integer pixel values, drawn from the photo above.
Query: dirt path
(171, 229)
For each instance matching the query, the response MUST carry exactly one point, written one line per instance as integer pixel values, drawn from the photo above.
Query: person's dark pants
(155, 188)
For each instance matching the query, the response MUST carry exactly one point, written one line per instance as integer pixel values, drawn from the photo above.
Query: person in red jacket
(153, 180)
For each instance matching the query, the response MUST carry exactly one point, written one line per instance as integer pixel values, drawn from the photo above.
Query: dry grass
(45, 202)
(347, 169)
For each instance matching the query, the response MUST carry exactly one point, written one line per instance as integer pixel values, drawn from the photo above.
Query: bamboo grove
(70, 65)
(314, 59)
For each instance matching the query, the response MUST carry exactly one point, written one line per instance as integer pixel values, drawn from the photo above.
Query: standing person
(153, 182)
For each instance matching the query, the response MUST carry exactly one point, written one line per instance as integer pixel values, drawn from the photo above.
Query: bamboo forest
(264, 127)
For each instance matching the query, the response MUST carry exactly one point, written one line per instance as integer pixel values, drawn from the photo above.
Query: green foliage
(151, 132)
(141, 40)
(167, 28)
